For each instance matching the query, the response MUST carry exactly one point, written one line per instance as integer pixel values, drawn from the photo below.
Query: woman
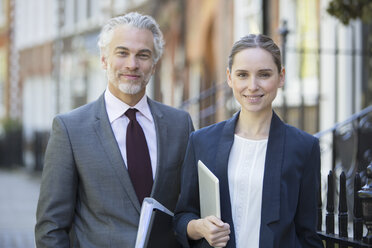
(268, 170)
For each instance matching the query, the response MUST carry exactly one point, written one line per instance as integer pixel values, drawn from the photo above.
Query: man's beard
(130, 88)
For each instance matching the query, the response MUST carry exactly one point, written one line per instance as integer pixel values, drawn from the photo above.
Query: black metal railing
(342, 239)
(205, 112)
(351, 141)
(351, 151)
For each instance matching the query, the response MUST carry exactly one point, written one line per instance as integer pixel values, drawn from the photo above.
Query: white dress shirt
(245, 174)
(119, 121)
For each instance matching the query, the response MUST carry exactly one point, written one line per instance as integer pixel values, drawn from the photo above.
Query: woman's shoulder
(300, 136)
(291, 132)
(213, 129)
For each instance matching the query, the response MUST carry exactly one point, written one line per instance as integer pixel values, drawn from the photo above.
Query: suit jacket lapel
(271, 185)
(161, 137)
(110, 146)
(221, 164)
(272, 176)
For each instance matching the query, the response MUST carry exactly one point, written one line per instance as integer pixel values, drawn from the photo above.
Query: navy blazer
(290, 185)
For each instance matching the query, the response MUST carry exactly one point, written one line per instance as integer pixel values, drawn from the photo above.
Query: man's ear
(153, 69)
(104, 62)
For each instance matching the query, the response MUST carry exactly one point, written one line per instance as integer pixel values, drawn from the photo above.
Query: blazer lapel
(221, 164)
(271, 185)
(110, 146)
(161, 133)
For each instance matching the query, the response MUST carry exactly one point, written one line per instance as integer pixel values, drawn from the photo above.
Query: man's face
(129, 61)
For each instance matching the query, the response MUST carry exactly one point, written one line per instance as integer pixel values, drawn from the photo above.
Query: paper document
(209, 192)
(148, 209)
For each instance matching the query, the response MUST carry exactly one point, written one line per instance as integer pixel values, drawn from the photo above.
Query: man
(93, 183)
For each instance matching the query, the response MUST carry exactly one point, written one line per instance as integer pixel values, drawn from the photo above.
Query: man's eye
(122, 53)
(144, 56)
(242, 75)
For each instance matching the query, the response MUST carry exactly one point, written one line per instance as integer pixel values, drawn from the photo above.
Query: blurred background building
(49, 64)
(50, 60)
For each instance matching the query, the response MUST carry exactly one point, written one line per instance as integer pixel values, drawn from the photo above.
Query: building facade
(5, 53)
(50, 61)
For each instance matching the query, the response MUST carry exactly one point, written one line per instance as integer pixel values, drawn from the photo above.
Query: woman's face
(254, 79)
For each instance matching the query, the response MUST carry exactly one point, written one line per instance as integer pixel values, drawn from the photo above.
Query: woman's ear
(228, 76)
(282, 77)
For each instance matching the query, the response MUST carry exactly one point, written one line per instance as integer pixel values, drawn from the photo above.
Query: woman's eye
(265, 75)
(242, 75)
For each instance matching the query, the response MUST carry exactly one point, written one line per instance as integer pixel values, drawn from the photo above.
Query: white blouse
(245, 174)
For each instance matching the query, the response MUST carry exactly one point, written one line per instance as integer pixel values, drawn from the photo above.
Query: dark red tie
(138, 157)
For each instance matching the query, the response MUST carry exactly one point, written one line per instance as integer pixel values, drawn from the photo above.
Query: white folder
(155, 218)
(209, 192)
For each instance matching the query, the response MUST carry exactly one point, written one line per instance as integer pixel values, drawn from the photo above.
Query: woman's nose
(253, 84)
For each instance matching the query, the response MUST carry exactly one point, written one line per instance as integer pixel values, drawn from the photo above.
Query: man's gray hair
(138, 21)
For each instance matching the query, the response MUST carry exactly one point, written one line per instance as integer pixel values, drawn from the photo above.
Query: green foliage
(347, 10)
(10, 125)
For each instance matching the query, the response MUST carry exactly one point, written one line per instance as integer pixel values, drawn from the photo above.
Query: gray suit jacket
(86, 196)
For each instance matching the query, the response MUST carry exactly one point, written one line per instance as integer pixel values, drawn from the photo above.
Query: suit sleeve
(56, 205)
(187, 207)
(306, 215)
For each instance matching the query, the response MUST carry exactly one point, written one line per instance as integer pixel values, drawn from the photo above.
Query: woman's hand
(215, 231)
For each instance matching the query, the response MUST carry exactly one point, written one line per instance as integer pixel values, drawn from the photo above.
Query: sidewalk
(19, 191)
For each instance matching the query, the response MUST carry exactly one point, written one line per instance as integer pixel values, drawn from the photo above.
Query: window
(3, 13)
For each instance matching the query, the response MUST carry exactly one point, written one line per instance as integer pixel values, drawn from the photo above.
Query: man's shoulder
(83, 112)
(166, 109)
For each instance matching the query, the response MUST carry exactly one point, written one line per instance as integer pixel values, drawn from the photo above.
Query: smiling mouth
(129, 76)
(254, 97)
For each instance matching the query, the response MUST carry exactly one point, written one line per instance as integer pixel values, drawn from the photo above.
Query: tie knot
(131, 113)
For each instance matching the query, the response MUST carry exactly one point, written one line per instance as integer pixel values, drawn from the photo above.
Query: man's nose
(132, 62)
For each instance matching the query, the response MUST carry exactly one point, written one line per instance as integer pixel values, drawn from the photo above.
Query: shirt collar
(116, 108)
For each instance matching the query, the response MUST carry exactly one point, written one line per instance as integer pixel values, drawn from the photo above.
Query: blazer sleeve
(56, 205)
(187, 207)
(306, 214)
